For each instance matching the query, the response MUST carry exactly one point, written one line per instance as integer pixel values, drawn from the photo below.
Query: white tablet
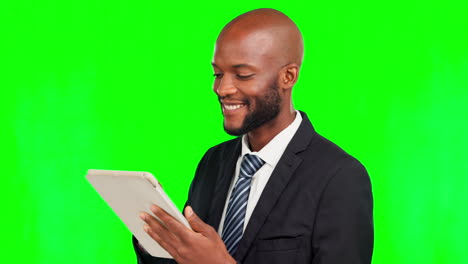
(130, 192)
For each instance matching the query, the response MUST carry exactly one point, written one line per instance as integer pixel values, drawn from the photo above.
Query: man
(280, 193)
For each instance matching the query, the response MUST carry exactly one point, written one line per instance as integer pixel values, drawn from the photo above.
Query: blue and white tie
(235, 214)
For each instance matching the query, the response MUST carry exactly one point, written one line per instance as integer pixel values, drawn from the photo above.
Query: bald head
(268, 32)
(256, 63)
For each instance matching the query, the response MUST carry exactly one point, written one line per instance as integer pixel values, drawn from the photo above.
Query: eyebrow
(243, 65)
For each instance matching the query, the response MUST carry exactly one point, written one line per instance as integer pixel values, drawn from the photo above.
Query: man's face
(246, 84)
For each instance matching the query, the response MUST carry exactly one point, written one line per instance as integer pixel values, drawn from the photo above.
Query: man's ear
(289, 75)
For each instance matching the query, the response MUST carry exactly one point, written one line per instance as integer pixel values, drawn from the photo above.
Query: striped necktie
(235, 214)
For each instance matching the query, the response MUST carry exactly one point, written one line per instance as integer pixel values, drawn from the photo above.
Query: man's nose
(225, 87)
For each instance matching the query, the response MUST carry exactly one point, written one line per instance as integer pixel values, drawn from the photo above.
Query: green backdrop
(127, 85)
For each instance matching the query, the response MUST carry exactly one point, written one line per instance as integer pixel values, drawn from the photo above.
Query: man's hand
(202, 245)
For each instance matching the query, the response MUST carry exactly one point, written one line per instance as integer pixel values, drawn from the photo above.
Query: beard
(266, 109)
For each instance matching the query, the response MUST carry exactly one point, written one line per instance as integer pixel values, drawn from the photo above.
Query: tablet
(130, 192)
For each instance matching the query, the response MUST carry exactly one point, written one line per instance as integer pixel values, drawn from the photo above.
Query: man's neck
(260, 137)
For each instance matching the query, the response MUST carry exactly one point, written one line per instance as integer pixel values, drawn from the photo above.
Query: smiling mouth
(233, 106)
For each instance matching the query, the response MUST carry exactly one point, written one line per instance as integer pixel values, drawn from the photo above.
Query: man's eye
(218, 75)
(244, 76)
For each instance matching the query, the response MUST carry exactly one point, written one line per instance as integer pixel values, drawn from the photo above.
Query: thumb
(195, 222)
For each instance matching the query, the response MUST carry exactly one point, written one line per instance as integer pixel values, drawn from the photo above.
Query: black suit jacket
(316, 207)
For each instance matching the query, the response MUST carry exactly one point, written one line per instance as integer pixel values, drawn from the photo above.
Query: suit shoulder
(222, 150)
(329, 151)
(336, 170)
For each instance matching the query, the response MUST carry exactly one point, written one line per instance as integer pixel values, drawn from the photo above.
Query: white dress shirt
(270, 153)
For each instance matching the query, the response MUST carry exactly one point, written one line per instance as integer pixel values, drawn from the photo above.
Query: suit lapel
(228, 166)
(279, 178)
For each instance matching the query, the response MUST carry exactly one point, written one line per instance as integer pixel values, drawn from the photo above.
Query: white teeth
(233, 107)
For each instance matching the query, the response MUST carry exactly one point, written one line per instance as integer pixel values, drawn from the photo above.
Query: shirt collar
(272, 152)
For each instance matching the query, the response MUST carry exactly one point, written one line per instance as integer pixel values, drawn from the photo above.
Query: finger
(172, 225)
(196, 223)
(167, 246)
(159, 229)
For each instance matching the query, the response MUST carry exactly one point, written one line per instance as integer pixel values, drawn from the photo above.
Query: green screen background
(126, 85)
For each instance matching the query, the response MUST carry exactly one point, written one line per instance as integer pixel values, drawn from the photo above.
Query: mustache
(224, 98)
